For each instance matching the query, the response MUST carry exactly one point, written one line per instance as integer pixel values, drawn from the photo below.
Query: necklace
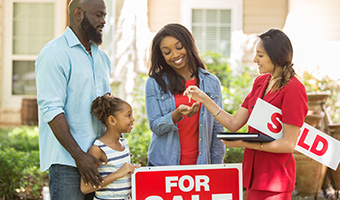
(88, 51)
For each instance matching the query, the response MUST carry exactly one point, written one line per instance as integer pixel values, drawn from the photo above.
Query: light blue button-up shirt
(68, 80)
(165, 145)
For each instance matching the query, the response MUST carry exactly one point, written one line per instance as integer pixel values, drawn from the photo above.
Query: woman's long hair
(159, 67)
(280, 51)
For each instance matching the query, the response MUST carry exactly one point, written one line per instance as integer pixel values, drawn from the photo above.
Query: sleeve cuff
(50, 114)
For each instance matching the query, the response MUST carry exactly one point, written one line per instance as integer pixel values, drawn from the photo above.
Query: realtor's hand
(195, 93)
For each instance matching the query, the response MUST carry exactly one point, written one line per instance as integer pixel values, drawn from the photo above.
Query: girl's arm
(231, 122)
(98, 153)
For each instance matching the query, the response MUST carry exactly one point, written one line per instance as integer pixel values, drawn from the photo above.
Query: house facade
(225, 26)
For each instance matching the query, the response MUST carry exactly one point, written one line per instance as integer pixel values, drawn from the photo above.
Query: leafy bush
(314, 84)
(234, 155)
(20, 176)
(24, 138)
(10, 171)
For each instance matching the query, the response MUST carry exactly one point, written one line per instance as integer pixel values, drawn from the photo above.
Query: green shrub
(20, 176)
(24, 138)
(234, 155)
(11, 171)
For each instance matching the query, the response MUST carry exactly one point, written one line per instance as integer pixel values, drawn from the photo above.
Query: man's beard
(92, 34)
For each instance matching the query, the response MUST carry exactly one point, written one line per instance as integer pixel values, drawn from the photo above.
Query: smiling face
(175, 54)
(262, 59)
(124, 119)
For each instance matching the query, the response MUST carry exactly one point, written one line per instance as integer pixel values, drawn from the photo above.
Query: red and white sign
(188, 182)
(311, 142)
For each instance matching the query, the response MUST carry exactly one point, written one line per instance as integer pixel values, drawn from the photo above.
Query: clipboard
(249, 137)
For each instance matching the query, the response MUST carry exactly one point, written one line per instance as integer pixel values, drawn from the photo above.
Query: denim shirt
(68, 80)
(165, 148)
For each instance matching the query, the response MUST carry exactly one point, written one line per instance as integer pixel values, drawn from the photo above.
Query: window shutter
(212, 30)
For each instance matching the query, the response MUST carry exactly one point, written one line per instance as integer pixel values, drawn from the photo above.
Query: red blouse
(188, 130)
(274, 171)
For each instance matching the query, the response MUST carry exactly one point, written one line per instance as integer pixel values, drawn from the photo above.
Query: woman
(268, 168)
(181, 134)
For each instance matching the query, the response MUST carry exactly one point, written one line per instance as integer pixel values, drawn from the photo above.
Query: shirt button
(202, 112)
(201, 124)
(200, 153)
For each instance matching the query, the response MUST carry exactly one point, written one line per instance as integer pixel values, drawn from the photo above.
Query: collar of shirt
(72, 40)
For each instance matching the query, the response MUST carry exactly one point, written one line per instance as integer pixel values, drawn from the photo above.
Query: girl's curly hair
(104, 106)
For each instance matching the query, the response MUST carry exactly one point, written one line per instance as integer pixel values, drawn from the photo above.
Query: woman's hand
(189, 111)
(195, 93)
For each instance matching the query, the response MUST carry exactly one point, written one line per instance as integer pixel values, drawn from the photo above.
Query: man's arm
(86, 163)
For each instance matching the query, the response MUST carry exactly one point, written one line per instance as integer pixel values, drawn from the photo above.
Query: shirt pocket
(212, 95)
(164, 101)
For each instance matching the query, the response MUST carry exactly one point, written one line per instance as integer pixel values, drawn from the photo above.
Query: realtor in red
(268, 168)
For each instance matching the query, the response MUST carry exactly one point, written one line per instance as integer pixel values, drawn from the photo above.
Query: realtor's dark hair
(280, 51)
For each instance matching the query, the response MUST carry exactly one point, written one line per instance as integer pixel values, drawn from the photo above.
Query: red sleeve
(294, 103)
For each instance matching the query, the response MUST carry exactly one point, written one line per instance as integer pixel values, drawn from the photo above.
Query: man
(71, 71)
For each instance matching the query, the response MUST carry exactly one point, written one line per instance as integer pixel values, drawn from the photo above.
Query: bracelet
(260, 146)
(217, 112)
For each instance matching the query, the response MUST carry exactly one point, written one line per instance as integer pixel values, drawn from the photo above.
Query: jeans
(64, 183)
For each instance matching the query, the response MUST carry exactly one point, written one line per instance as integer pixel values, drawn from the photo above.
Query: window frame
(236, 7)
(8, 99)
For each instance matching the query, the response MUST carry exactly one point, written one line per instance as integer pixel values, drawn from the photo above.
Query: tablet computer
(249, 137)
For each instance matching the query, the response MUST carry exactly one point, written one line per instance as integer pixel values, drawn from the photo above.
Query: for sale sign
(311, 142)
(188, 182)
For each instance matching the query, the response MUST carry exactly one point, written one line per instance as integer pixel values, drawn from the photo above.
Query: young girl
(116, 115)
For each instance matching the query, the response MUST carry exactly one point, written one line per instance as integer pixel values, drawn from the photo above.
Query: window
(212, 23)
(212, 30)
(32, 29)
(28, 26)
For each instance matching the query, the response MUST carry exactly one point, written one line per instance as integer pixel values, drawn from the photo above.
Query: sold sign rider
(311, 142)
